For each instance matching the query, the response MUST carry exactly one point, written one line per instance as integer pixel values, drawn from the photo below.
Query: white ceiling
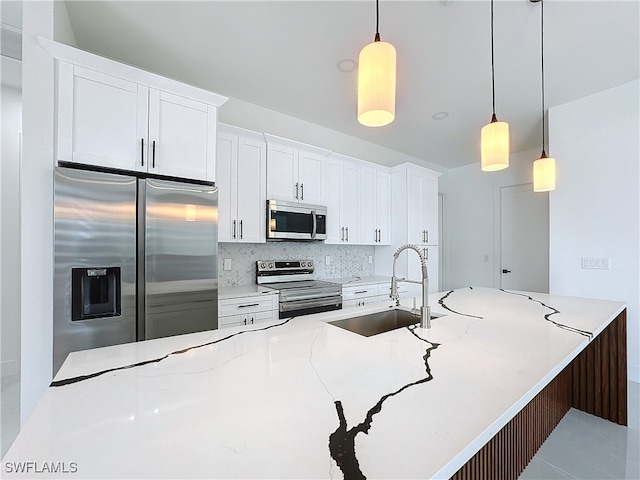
(283, 56)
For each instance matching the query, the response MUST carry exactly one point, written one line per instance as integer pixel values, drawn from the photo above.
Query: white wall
(594, 211)
(10, 228)
(472, 211)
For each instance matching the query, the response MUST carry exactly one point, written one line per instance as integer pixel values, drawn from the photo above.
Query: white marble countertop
(284, 399)
(243, 291)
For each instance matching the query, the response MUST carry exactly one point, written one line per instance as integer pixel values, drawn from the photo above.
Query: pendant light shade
(377, 82)
(494, 146)
(544, 174)
(494, 137)
(544, 169)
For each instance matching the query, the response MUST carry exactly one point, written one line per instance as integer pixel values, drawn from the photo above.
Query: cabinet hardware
(142, 151)
(249, 305)
(297, 191)
(251, 320)
(153, 154)
(361, 291)
(245, 321)
(241, 234)
(234, 229)
(426, 236)
(302, 191)
(504, 270)
(347, 237)
(342, 234)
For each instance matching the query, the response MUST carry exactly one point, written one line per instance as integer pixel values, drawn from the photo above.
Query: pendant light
(494, 137)
(377, 82)
(544, 169)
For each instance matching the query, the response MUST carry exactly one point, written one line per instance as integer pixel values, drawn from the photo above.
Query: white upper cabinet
(241, 179)
(117, 116)
(341, 195)
(422, 208)
(295, 172)
(375, 190)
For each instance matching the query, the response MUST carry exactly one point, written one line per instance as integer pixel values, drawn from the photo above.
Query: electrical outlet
(327, 260)
(226, 264)
(370, 258)
(592, 263)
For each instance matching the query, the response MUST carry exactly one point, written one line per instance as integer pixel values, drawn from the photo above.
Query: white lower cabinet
(367, 295)
(247, 310)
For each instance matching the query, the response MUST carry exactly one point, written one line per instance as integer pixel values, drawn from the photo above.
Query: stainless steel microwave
(296, 221)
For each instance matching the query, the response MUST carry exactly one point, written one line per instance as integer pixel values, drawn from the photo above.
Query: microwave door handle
(315, 224)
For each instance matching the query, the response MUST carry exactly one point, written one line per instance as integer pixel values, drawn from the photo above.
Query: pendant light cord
(542, 70)
(493, 82)
(377, 38)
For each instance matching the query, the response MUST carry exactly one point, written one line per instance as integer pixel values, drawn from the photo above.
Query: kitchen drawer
(247, 305)
(245, 318)
(359, 302)
(358, 291)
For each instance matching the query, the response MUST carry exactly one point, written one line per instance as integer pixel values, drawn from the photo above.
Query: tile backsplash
(345, 260)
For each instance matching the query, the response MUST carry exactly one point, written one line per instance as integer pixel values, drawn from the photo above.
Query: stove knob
(263, 265)
(302, 264)
(271, 265)
(309, 264)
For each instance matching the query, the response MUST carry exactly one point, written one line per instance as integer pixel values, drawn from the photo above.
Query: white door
(310, 177)
(349, 203)
(332, 199)
(524, 239)
(367, 228)
(383, 204)
(252, 198)
(102, 120)
(178, 137)
(226, 175)
(282, 172)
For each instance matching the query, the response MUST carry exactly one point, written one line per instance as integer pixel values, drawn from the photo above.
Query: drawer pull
(361, 291)
(249, 305)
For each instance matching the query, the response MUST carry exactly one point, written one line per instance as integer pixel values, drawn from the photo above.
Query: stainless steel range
(300, 292)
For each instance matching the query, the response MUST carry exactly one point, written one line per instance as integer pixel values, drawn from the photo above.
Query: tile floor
(581, 447)
(586, 447)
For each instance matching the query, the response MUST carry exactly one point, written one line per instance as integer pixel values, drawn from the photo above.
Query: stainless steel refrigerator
(135, 259)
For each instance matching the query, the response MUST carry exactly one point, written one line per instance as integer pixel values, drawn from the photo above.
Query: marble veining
(446, 307)
(80, 378)
(554, 311)
(342, 441)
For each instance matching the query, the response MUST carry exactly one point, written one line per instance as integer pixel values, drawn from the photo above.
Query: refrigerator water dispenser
(95, 293)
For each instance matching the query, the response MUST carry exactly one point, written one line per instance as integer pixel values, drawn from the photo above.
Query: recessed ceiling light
(440, 115)
(346, 65)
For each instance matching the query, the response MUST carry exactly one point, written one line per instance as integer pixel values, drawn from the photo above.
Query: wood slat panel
(595, 381)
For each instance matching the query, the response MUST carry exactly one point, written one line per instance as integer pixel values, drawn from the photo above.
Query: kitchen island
(302, 398)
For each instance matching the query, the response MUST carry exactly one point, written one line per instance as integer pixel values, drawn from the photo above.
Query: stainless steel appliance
(300, 292)
(135, 259)
(296, 221)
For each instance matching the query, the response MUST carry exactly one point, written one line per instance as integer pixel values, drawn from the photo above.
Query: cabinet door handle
(153, 154)
(234, 229)
(302, 191)
(347, 230)
(297, 191)
(245, 320)
(342, 234)
(241, 234)
(142, 151)
(251, 320)
(426, 236)
(380, 235)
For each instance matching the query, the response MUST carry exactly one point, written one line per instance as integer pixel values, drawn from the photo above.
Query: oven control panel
(284, 266)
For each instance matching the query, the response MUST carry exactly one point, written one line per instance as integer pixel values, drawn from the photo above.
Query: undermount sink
(379, 322)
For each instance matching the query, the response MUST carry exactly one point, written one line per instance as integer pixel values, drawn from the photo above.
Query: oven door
(295, 308)
(296, 221)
